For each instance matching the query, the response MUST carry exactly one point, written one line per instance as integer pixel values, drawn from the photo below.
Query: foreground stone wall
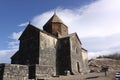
(44, 71)
(40, 71)
(13, 72)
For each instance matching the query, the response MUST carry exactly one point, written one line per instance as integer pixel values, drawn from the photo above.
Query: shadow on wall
(63, 61)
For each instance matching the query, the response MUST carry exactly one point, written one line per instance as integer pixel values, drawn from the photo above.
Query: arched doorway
(78, 67)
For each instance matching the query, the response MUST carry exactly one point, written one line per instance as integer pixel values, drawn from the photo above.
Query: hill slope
(96, 64)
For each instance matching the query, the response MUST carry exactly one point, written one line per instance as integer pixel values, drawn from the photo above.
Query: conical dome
(55, 26)
(54, 19)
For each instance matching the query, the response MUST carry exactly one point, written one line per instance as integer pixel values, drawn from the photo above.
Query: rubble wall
(13, 72)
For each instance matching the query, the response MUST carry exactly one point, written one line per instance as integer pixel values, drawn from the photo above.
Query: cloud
(97, 53)
(23, 24)
(100, 18)
(16, 35)
(12, 48)
(5, 55)
(102, 43)
(13, 44)
(41, 19)
(97, 24)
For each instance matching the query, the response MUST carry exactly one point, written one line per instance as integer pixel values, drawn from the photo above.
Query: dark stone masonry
(46, 53)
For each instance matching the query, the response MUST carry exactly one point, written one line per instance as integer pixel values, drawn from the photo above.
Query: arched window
(76, 50)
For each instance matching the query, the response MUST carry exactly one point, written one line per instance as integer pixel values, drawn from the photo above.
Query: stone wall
(76, 55)
(85, 60)
(13, 72)
(60, 29)
(44, 71)
(29, 48)
(47, 51)
(63, 56)
(64, 30)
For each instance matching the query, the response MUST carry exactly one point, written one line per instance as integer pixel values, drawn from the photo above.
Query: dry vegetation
(95, 65)
(115, 56)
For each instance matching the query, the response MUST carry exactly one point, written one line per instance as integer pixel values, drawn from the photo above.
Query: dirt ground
(90, 76)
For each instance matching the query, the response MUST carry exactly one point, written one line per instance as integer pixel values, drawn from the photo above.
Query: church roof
(84, 49)
(29, 26)
(16, 54)
(54, 19)
(72, 34)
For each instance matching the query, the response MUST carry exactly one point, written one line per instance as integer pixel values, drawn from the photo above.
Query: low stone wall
(23, 72)
(44, 71)
(13, 72)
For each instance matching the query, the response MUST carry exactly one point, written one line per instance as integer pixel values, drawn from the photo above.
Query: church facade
(46, 53)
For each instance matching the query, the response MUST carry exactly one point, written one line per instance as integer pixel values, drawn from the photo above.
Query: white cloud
(23, 24)
(97, 53)
(100, 18)
(15, 35)
(97, 22)
(101, 43)
(13, 45)
(5, 55)
(41, 19)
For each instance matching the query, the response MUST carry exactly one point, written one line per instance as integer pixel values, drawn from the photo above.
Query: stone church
(46, 53)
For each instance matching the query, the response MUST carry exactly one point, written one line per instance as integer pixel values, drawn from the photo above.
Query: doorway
(78, 67)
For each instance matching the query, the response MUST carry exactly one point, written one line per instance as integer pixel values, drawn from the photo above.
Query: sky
(95, 21)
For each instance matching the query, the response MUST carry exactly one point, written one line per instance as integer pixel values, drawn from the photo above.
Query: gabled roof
(16, 54)
(29, 26)
(73, 34)
(35, 28)
(76, 36)
(84, 49)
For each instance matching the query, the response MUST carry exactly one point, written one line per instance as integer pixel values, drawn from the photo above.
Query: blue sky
(95, 21)
(14, 12)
